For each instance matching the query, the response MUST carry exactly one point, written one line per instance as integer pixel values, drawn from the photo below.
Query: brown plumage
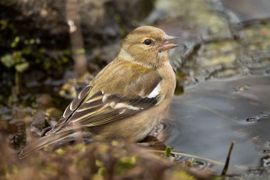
(126, 99)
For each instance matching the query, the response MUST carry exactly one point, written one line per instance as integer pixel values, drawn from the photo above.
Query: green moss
(126, 163)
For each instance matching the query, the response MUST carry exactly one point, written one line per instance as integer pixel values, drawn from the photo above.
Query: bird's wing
(128, 90)
(112, 99)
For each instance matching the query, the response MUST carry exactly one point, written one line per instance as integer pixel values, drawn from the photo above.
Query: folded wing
(106, 100)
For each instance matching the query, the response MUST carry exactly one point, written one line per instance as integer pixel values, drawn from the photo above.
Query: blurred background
(50, 49)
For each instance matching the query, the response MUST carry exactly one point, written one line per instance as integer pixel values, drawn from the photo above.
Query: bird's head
(147, 45)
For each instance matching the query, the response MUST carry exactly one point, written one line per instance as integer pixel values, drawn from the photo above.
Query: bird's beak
(167, 44)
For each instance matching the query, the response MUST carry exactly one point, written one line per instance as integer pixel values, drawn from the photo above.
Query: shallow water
(227, 94)
(212, 114)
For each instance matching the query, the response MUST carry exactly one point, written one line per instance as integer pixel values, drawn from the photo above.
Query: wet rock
(40, 124)
(248, 9)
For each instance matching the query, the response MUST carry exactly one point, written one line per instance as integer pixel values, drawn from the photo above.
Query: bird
(126, 99)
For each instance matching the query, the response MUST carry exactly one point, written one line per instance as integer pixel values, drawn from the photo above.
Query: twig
(227, 163)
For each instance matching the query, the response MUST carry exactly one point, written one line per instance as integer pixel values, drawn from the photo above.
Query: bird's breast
(168, 83)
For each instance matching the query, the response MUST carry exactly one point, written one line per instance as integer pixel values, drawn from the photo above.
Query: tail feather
(51, 139)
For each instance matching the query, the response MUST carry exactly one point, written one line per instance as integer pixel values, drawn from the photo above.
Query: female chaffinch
(127, 98)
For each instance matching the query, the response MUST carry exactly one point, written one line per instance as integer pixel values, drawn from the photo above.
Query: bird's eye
(148, 41)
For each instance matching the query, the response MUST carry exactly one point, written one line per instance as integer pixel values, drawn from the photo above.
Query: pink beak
(166, 45)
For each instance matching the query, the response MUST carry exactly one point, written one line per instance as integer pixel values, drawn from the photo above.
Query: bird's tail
(50, 139)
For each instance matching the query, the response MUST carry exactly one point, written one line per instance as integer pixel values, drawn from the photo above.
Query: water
(212, 114)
